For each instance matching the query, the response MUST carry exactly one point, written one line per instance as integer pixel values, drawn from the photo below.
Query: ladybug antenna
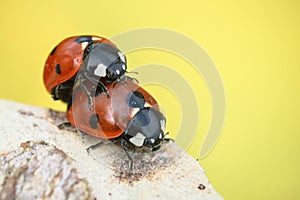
(167, 133)
(166, 139)
(131, 72)
(130, 78)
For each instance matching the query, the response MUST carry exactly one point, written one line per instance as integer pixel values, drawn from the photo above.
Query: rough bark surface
(40, 161)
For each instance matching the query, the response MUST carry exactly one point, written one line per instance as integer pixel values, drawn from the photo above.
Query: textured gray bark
(40, 161)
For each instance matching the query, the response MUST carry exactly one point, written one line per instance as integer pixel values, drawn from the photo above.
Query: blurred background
(255, 46)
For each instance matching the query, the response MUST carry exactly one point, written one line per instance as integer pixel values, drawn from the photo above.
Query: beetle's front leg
(86, 91)
(125, 148)
(97, 82)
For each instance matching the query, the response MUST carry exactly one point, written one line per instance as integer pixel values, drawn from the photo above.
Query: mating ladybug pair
(88, 73)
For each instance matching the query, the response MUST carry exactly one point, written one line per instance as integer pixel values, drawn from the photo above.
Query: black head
(104, 60)
(146, 129)
(116, 70)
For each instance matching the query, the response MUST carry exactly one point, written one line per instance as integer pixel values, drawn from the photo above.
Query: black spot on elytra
(135, 100)
(84, 38)
(94, 120)
(142, 118)
(201, 187)
(53, 51)
(57, 69)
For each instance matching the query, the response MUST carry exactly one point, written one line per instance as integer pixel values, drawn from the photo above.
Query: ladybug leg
(63, 91)
(102, 142)
(123, 78)
(88, 94)
(124, 147)
(94, 146)
(103, 87)
(97, 82)
(86, 91)
(55, 92)
(167, 139)
(66, 126)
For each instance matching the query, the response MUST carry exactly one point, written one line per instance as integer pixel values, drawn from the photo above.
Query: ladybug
(130, 115)
(89, 57)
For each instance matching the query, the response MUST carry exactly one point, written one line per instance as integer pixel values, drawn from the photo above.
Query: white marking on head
(163, 124)
(122, 57)
(84, 45)
(96, 38)
(160, 136)
(152, 140)
(118, 71)
(147, 105)
(134, 111)
(123, 67)
(138, 140)
(100, 70)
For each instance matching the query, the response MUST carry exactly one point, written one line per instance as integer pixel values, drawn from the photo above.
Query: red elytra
(66, 58)
(110, 115)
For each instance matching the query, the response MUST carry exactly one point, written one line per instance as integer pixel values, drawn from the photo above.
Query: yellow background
(255, 45)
